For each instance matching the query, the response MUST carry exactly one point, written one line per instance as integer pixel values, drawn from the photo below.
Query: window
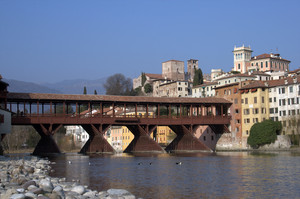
(291, 89)
(274, 99)
(255, 100)
(261, 64)
(235, 101)
(247, 132)
(266, 64)
(271, 110)
(276, 110)
(255, 111)
(270, 99)
(247, 121)
(237, 111)
(239, 66)
(246, 100)
(246, 111)
(283, 113)
(242, 101)
(262, 99)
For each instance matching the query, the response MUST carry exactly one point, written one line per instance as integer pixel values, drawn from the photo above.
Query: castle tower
(242, 56)
(192, 65)
(173, 70)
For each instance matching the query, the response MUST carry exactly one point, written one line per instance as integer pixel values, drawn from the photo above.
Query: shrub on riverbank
(264, 133)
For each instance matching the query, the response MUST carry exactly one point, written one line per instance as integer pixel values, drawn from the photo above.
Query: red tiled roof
(271, 83)
(254, 84)
(227, 85)
(281, 82)
(110, 98)
(259, 73)
(295, 71)
(206, 84)
(236, 75)
(154, 76)
(265, 55)
(173, 61)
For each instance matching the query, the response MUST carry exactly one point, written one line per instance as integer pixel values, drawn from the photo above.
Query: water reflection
(201, 175)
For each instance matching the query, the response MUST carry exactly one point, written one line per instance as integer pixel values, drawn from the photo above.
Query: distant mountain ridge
(62, 87)
(27, 87)
(76, 86)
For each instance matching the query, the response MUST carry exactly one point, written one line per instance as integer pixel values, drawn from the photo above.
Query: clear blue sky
(54, 40)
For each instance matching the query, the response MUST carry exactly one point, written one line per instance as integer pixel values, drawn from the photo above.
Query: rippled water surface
(201, 175)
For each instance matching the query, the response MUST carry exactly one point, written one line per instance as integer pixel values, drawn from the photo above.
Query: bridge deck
(96, 113)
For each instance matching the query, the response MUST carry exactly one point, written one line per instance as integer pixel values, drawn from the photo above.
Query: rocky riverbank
(27, 178)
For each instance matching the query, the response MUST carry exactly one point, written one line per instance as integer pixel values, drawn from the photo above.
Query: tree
(118, 84)
(143, 79)
(198, 77)
(263, 133)
(148, 88)
(95, 92)
(84, 90)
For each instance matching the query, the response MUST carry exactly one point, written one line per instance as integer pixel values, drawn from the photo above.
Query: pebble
(28, 178)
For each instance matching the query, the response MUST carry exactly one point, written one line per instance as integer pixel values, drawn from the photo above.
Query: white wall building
(204, 90)
(284, 99)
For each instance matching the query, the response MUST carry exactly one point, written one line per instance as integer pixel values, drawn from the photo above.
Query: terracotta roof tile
(110, 98)
(154, 76)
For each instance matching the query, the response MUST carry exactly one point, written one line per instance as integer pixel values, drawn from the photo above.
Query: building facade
(192, 65)
(234, 138)
(204, 90)
(173, 69)
(255, 105)
(168, 88)
(244, 62)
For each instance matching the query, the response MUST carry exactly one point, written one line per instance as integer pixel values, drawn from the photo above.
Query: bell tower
(242, 56)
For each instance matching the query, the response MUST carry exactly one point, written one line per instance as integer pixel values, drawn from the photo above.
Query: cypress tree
(198, 77)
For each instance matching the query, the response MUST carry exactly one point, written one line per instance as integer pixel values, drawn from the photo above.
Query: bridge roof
(112, 98)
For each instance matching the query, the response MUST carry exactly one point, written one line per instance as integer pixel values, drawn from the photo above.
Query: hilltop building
(192, 66)
(168, 88)
(244, 62)
(173, 69)
(173, 82)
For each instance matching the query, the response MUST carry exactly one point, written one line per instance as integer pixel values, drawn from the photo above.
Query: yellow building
(255, 106)
(127, 135)
(162, 134)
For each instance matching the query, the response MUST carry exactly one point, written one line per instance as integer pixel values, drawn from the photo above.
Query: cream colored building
(244, 62)
(168, 88)
(255, 105)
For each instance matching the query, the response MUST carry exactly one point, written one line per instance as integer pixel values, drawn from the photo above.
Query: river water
(201, 175)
